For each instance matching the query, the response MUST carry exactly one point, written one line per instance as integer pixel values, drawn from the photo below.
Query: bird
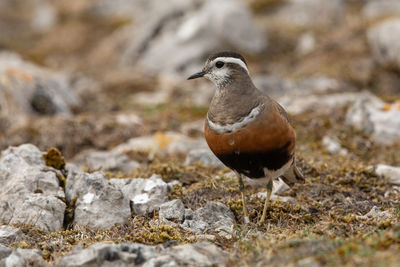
(247, 130)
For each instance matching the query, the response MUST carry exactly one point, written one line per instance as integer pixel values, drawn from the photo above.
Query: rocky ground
(103, 157)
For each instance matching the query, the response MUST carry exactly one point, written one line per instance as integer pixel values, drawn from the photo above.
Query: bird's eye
(219, 64)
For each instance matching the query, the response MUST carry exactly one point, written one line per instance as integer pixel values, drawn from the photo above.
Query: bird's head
(222, 68)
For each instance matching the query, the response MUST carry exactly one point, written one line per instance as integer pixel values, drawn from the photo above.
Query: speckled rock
(99, 204)
(384, 40)
(31, 192)
(197, 254)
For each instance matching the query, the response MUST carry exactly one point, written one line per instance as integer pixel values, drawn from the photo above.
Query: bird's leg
(266, 203)
(241, 188)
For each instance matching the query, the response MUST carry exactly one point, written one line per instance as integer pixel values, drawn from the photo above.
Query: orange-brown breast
(267, 136)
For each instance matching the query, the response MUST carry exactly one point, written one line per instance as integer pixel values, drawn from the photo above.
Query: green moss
(53, 158)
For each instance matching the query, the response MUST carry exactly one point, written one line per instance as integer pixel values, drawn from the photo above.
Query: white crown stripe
(232, 60)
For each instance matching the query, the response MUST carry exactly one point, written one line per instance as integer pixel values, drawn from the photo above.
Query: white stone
(10, 234)
(368, 114)
(389, 172)
(384, 40)
(172, 210)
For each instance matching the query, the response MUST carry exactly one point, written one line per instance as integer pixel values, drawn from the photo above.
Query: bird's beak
(197, 75)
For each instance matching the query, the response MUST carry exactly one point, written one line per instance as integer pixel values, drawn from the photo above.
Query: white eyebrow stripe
(232, 60)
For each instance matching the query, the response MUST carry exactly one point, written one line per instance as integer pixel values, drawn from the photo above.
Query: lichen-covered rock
(389, 172)
(204, 156)
(384, 41)
(214, 217)
(197, 254)
(144, 195)
(99, 203)
(106, 161)
(27, 89)
(30, 191)
(370, 114)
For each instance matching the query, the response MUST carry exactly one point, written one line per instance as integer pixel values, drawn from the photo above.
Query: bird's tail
(293, 175)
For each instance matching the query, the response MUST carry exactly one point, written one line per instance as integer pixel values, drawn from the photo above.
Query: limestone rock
(383, 39)
(197, 254)
(24, 257)
(333, 146)
(214, 217)
(372, 115)
(144, 195)
(389, 172)
(10, 234)
(30, 191)
(4, 253)
(100, 204)
(173, 210)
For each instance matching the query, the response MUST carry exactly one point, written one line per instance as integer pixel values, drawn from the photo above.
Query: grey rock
(173, 210)
(31, 192)
(4, 252)
(10, 234)
(306, 44)
(389, 172)
(214, 217)
(29, 90)
(301, 13)
(24, 257)
(263, 195)
(198, 254)
(100, 203)
(204, 156)
(374, 9)
(178, 34)
(144, 195)
(106, 161)
(383, 39)
(367, 114)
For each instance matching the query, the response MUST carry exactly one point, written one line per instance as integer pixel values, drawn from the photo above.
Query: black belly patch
(252, 164)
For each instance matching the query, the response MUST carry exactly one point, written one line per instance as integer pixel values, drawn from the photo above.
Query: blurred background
(92, 74)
